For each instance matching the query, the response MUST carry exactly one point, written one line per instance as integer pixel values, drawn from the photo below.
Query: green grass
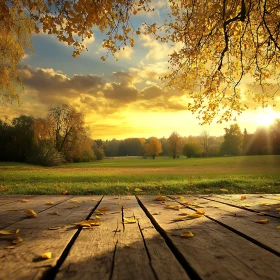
(254, 174)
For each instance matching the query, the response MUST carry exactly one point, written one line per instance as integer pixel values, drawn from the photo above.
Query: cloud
(125, 52)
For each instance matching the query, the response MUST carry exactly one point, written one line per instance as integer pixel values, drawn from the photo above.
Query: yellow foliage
(30, 213)
(47, 255)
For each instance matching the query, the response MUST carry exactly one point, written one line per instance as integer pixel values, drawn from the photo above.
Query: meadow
(130, 175)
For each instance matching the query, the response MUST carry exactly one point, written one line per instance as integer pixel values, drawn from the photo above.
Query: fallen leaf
(71, 207)
(224, 190)
(64, 192)
(243, 197)
(174, 207)
(88, 223)
(54, 228)
(8, 232)
(261, 213)
(24, 200)
(183, 214)
(103, 209)
(179, 219)
(10, 247)
(129, 220)
(156, 213)
(50, 203)
(194, 216)
(138, 190)
(47, 255)
(30, 213)
(200, 212)
(17, 240)
(53, 213)
(127, 198)
(264, 221)
(187, 234)
(97, 217)
(247, 205)
(160, 198)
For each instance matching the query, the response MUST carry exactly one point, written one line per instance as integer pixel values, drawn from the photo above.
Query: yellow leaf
(50, 203)
(224, 190)
(261, 213)
(138, 190)
(74, 201)
(156, 213)
(160, 198)
(247, 205)
(71, 207)
(88, 223)
(183, 214)
(97, 217)
(24, 200)
(30, 213)
(187, 234)
(278, 227)
(179, 219)
(200, 212)
(53, 213)
(243, 197)
(10, 247)
(174, 207)
(103, 209)
(17, 240)
(129, 220)
(47, 255)
(264, 221)
(8, 232)
(194, 216)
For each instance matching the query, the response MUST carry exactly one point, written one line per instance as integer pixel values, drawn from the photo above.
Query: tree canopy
(228, 55)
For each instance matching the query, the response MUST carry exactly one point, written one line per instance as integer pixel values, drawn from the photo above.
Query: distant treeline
(62, 137)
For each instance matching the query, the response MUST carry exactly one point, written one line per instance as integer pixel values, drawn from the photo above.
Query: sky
(119, 99)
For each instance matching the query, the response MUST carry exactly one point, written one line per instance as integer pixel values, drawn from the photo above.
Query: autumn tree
(233, 140)
(175, 145)
(217, 44)
(192, 149)
(205, 142)
(153, 147)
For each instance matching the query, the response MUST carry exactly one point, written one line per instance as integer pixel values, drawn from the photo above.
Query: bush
(45, 155)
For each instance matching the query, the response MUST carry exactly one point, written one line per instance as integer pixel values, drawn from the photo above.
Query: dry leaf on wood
(264, 221)
(47, 255)
(30, 213)
(187, 234)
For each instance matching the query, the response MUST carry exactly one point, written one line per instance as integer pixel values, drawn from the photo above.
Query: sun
(266, 118)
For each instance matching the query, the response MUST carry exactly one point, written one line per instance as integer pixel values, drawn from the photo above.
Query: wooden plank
(91, 256)
(6, 199)
(14, 212)
(144, 260)
(243, 221)
(258, 203)
(214, 252)
(23, 261)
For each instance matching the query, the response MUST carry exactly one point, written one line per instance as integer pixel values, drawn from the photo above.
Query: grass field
(252, 174)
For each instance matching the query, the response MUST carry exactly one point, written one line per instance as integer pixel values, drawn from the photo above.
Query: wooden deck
(140, 238)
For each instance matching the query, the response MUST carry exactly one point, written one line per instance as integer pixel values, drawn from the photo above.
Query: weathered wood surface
(227, 243)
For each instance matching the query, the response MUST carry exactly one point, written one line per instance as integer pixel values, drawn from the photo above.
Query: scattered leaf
(103, 209)
(10, 247)
(264, 221)
(17, 240)
(247, 205)
(47, 255)
(97, 217)
(224, 190)
(24, 200)
(54, 228)
(179, 219)
(187, 234)
(174, 207)
(156, 213)
(200, 212)
(64, 192)
(30, 213)
(129, 220)
(160, 198)
(88, 223)
(138, 190)
(50, 203)
(8, 232)
(194, 216)
(53, 213)
(243, 197)
(71, 207)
